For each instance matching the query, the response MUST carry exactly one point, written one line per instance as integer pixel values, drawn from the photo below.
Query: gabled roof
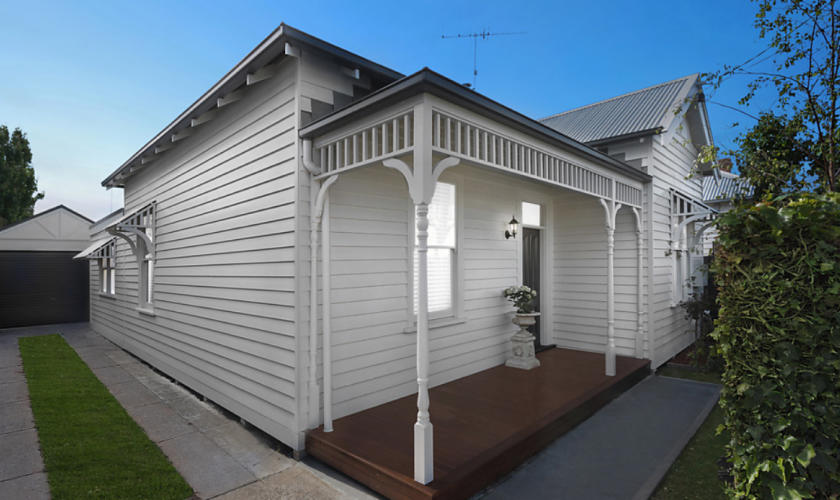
(56, 229)
(269, 50)
(727, 187)
(45, 212)
(643, 112)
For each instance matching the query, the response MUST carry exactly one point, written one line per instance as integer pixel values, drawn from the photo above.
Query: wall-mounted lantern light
(513, 228)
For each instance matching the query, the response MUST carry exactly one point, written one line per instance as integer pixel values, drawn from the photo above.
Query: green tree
(801, 63)
(18, 186)
(773, 156)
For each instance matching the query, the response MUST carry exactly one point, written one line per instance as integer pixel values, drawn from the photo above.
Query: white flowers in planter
(522, 298)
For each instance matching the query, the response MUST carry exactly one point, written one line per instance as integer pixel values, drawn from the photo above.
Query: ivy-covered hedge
(778, 275)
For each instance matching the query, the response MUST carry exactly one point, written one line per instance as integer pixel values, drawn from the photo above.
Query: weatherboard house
(319, 236)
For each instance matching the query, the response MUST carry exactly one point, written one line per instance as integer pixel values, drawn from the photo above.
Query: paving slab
(9, 355)
(31, 487)
(206, 467)
(164, 388)
(132, 394)
(622, 451)
(296, 482)
(112, 374)
(21, 454)
(202, 415)
(12, 374)
(138, 370)
(15, 416)
(13, 391)
(159, 421)
(97, 360)
(249, 449)
(121, 357)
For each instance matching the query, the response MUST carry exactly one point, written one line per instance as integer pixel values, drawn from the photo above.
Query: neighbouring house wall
(580, 275)
(224, 279)
(373, 357)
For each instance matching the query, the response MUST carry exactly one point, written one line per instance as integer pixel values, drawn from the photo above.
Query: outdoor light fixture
(513, 227)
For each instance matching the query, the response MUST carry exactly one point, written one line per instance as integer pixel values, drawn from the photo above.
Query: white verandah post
(610, 209)
(422, 177)
(640, 348)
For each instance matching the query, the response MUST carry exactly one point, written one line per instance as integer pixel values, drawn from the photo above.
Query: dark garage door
(39, 288)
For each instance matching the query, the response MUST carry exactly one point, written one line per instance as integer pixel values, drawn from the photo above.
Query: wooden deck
(484, 424)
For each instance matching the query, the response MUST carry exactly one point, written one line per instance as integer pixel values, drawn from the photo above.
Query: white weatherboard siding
(672, 162)
(224, 321)
(580, 276)
(318, 78)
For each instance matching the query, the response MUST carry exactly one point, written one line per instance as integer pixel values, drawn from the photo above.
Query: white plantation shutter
(441, 254)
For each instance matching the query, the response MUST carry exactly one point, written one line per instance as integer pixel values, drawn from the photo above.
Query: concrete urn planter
(522, 353)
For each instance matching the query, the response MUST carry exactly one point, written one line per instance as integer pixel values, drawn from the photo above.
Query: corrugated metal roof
(640, 111)
(726, 188)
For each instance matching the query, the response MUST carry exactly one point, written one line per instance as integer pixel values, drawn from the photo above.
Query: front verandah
(420, 127)
(485, 424)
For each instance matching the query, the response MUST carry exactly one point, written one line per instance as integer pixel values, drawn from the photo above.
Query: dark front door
(531, 272)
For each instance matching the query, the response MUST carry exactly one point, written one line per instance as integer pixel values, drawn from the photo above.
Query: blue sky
(91, 82)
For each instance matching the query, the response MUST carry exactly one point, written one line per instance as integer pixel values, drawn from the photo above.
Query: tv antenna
(483, 35)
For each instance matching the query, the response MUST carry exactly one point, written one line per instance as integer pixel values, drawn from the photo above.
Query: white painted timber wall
(672, 162)
(580, 276)
(374, 359)
(224, 281)
(318, 78)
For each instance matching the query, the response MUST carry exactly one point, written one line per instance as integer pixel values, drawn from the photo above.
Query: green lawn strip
(694, 475)
(91, 446)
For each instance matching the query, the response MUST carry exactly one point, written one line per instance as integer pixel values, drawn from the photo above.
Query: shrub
(778, 274)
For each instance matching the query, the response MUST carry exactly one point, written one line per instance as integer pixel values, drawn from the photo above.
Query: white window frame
(108, 269)
(681, 208)
(456, 312)
(146, 273)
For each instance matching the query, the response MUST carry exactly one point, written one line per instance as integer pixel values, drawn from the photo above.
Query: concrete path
(622, 452)
(215, 453)
(21, 465)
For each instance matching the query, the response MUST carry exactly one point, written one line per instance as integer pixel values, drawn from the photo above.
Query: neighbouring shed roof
(54, 230)
(643, 112)
(727, 187)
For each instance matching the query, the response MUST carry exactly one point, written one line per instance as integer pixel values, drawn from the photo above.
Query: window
(107, 269)
(148, 267)
(685, 211)
(531, 214)
(441, 256)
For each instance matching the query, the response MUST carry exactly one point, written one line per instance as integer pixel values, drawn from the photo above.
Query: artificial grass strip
(91, 446)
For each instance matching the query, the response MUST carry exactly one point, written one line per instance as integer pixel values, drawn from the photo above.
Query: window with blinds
(441, 256)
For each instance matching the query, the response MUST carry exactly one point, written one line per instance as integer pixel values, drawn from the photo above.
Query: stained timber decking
(484, 424)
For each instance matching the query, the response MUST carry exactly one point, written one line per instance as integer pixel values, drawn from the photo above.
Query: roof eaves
(264, 52)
